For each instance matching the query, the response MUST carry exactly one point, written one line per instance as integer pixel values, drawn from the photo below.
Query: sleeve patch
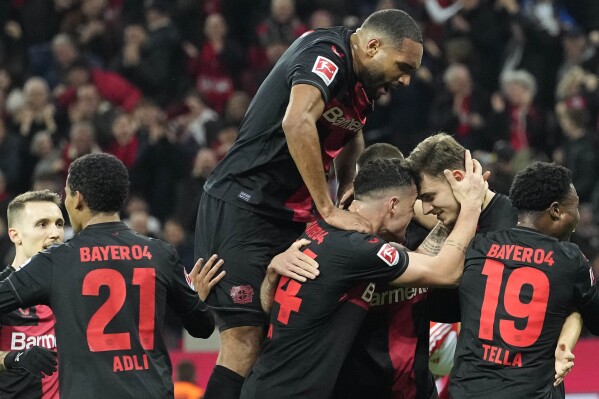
(389, 255)
(325, 69)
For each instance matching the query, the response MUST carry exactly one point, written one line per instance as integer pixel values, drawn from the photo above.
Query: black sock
(223, 384)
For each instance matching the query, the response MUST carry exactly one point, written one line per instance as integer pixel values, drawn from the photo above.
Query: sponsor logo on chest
(20, 341)
(341, 118)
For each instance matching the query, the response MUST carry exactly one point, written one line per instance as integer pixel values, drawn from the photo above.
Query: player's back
(109, 288)
(517, 289)
(313, 324)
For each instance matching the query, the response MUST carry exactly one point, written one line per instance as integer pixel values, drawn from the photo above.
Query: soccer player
(27, 339)
(518, 287)
(313, 324)
(308, 112)
(108, 287)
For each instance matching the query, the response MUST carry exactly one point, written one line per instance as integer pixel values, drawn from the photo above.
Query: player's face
(391, 67)
(40, 225)
(437, 199)
(569, 215)
(403, 212)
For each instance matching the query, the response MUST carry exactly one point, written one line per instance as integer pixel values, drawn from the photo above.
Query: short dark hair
(435, 154)
(395, 24)
(16, 206)
(378, 151)
(103, 181)
(535, 188)
(380, 175)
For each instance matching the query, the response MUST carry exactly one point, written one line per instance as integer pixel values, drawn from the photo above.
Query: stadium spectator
(185, 382)
(126, 144)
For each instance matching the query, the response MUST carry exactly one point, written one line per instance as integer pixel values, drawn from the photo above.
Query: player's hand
(37, 360)
(203, 278)
(346, 198)
(345, 220)
(473, 187)
(295, 264)
(564, 361)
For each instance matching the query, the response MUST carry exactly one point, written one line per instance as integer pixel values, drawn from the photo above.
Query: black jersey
(19, 330)
(443, 304)
(389, 357)
(517, 289)
(258, 172)
(108, 287)
(313, 324)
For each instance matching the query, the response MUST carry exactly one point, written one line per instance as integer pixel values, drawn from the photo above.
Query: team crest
(325, 69)
(242, 294)
(389, 255)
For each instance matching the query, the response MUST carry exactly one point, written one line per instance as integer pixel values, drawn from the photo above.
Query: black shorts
(247, 242)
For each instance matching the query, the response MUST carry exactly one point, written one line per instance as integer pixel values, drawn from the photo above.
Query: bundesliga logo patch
(389, 255)
(325, 69)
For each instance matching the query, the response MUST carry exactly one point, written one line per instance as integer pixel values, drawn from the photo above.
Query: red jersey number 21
(532, 311)
(100, 341)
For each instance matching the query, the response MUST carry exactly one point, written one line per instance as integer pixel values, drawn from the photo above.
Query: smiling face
(389, 67)
(437, 199)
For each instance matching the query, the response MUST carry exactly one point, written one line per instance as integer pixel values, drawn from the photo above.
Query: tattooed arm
(433, 242)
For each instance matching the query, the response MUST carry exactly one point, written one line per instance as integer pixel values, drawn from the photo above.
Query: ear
(554, 211)
(458, 174)
(14, 236)
(372, 46)
(79, 201)
(392, 204)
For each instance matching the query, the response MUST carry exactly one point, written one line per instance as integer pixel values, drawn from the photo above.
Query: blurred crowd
(163, 85)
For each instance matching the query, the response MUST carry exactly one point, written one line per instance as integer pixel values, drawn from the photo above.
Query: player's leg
(239, 350)
(246, 242)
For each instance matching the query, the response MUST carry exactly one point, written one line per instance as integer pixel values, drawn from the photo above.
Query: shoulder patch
(325, 69)
(388, 254)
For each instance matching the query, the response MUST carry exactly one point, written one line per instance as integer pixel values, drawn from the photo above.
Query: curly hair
(380, 175)
(395, 24)
(535, 188)
(103, 181)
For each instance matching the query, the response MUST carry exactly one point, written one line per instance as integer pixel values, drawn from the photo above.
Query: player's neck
(488, 197)
(19, 259)
(102, 218)
(354, 42)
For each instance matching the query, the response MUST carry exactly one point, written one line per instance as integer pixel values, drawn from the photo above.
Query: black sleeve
(8, 299)
(32, 283)
(6, 272)
(319, 66)
(443, 305)
(182, 298)
(374, 259)
(586, 296)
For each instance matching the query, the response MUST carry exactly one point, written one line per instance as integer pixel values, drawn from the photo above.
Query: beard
(372, 82)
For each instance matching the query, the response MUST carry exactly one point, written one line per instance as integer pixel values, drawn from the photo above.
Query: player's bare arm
(203, 278)
(292, 263)
(345, 168)
(564, 358)
(433, 242)
(299, 124)
(445, 269)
